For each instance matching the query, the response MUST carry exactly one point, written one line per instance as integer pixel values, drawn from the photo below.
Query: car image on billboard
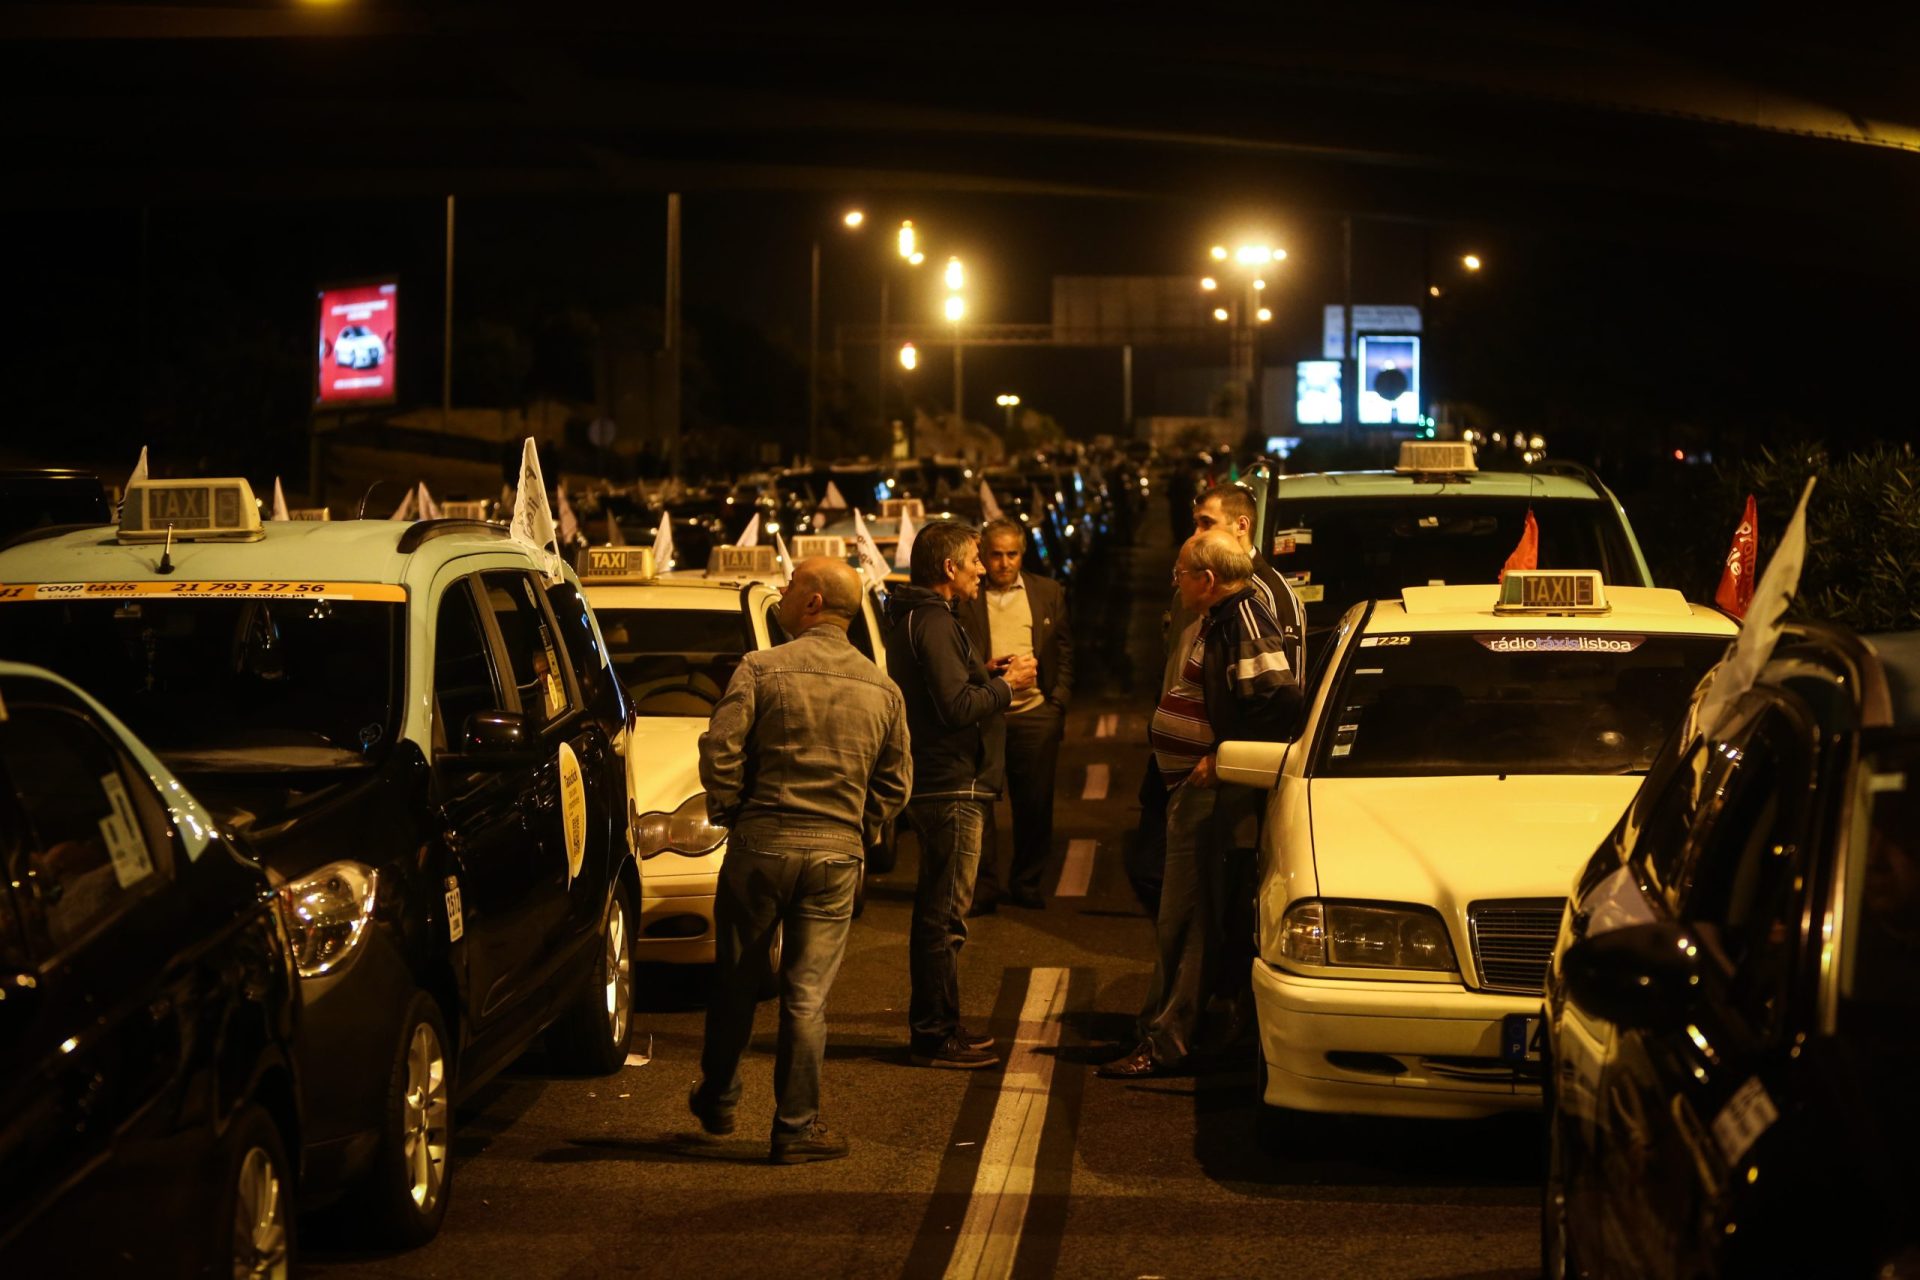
(356, 357)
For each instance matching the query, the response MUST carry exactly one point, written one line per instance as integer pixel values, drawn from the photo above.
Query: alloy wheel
(259, 1219)
(619, 973)
(425, 1117)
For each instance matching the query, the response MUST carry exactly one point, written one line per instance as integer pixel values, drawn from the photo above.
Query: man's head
(1210, 567)
(1228, 507)
(823, 592)
(1003, 545)
(946, 558)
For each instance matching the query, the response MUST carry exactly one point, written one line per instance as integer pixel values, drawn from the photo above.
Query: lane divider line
(1077, 874)
(1099, 778)
(989, 1236)
(1107, 725)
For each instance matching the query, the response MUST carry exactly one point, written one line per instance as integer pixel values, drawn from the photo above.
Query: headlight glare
(326, 914)
(1351, 935)
(685, 830)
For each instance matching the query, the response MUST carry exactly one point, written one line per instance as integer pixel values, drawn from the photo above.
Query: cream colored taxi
(1467, 750)
(675, 640)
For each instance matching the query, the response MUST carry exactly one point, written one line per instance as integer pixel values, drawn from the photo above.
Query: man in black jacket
(1025, 614)
(955, 719)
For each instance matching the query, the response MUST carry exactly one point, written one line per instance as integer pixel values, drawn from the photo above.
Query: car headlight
(685, 830)
(1348, 935)
(326, 914)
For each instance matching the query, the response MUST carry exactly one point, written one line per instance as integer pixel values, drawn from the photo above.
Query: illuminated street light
(1007, 401)
(956, 276)
(909, 357)
(1471, 262)
(1219, 252)
(1263, 315)
(908, 250)
(1208, 284)
(916, 258)
(1433, 290)
(1252, 254)
(854, 218)
(1259, 285)
(1219, 313)
(956, 309)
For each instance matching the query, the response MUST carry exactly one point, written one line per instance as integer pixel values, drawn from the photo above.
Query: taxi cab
(675, 640)
(415, 729)
(1465, 752)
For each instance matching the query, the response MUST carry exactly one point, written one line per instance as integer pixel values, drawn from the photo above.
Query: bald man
(806, 759)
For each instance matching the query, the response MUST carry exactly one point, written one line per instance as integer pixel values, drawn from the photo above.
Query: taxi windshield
(1369, 548)
(675, 662)
(228, 685)
(1443, 704)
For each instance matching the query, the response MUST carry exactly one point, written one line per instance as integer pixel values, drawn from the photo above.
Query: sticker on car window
(1541, 642)
(1310, 595)
(120, 832)
(1287, 541)
(1384, 642)
(1748, 1114)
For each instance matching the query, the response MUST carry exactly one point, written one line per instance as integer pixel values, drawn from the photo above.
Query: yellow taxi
(1466, 751)
(675, 640)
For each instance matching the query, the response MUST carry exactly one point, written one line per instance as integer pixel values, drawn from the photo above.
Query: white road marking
(1003, 1187)
(1107, 725)
(1099, 778)
(1077, 874)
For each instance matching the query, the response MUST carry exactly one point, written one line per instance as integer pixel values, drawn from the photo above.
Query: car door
(1687, 1107)
(590, 734)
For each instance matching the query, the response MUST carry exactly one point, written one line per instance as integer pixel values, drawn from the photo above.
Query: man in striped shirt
(1237, 678)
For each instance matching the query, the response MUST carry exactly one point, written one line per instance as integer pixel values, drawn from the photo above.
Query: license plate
(1520, 1037)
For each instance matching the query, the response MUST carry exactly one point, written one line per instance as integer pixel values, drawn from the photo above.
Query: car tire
(404, 1195)
(254, 1221)
(1556, 1244)
(770, 980)
(591, 1036)
(885, 856)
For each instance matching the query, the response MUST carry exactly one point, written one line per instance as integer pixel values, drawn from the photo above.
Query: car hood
(663, 761)
(1448, 842)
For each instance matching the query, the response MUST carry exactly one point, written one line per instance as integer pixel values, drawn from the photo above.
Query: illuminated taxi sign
(602, 564)
(894, 508)
(310, 513)
(1444, 456)
(752, 562)
(465, 510)
(1555, 591)
(223, 510)
(829, 545)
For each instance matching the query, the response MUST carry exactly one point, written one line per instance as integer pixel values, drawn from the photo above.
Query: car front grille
(1513, 942)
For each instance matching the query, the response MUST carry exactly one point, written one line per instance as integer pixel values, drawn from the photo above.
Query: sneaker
(955, 1053)
(817, 1143)
(714, 1120)
(973, 1039)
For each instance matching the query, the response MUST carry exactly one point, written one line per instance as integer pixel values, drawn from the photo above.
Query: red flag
(1736, 580)
(1527, 554)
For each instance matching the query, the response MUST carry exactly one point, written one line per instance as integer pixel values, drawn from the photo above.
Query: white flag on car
(989, 505)
(427, 508)
(569, 523)
(279, 501)
(872, 563)
(835, 500)
(408, 507)
(663, 543)
(532, 525)
(903, 550)
(1760, 632)
(749, 536)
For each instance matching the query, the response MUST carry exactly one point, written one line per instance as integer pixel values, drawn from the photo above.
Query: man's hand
(1203, 775)
(1021, 674)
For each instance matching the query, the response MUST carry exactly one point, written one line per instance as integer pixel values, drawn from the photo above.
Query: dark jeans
(1033, 759)
(950, 833)
(802, 884)
(1187, 932)
(1146, 851)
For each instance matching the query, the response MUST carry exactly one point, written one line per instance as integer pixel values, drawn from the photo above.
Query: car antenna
(362, 513)
(166, 554)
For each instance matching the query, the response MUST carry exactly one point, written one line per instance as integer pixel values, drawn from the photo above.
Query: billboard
(357, 327)
(1389, 378)
(1316, 393)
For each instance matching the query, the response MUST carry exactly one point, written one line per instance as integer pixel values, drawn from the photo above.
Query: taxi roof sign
(1421, 456)
(894, 508)
(757, 562)
(614, 564)
(216, 510)
(1552, 591)
(832, 546)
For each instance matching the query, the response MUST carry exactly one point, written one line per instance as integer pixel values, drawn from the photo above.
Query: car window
(776, 634)
(91, 846)
(463, 676)
(533, 647)
(676, 662)
(592, 668)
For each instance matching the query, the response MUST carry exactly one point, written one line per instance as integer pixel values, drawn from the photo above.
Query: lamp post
(907, 245)
(1248, 263)
(852, 220)
(956, 311)
(1008, 402)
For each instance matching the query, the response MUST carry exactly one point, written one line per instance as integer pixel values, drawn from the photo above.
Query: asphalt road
(1036, 1169)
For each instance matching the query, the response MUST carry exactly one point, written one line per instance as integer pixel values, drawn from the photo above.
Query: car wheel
(770, 981)
(255, 1222)
(405, 1194)
(591, 1036)
(1556, 1249)
(883, 857)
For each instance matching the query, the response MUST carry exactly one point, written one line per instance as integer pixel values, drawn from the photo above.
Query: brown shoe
(1138, 1065)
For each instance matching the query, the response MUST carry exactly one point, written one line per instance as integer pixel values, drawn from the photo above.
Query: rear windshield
(1357, 549)
(675, 662)
(1437, 705)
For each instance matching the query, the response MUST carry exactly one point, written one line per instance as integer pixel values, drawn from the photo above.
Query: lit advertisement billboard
(1389, 378)
(357, 326)
(1316, 393)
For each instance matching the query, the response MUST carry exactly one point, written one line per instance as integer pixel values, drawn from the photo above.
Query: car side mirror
(1644, 977)
(1251, 764)
(496, 740)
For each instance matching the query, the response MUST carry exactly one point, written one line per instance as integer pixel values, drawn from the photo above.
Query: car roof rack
(422, 532)
(1569, 469)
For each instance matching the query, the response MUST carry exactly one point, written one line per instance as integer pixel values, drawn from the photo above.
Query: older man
(806, 759)
(1236, 679)
(1023, 614)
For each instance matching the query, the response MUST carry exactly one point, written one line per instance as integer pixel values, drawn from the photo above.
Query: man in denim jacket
(806, 758)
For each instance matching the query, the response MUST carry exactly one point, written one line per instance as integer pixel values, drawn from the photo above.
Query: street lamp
(956, 309)
(1008, 402)
(1471, 261)
(909, 357)
(1208, 284)
(956, 275)
(907, 239)
(1248, 261)
(853, 220)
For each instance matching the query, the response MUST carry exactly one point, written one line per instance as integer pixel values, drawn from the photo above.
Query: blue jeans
(950, 832)
(803, 884)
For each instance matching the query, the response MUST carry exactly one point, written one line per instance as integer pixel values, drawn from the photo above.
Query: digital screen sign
(1389, 378)
(1316, 393)
(357, 327)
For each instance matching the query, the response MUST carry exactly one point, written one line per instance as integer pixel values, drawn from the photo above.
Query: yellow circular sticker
(573, 810)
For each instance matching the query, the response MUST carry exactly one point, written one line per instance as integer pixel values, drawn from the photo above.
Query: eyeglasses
(1177, 571)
